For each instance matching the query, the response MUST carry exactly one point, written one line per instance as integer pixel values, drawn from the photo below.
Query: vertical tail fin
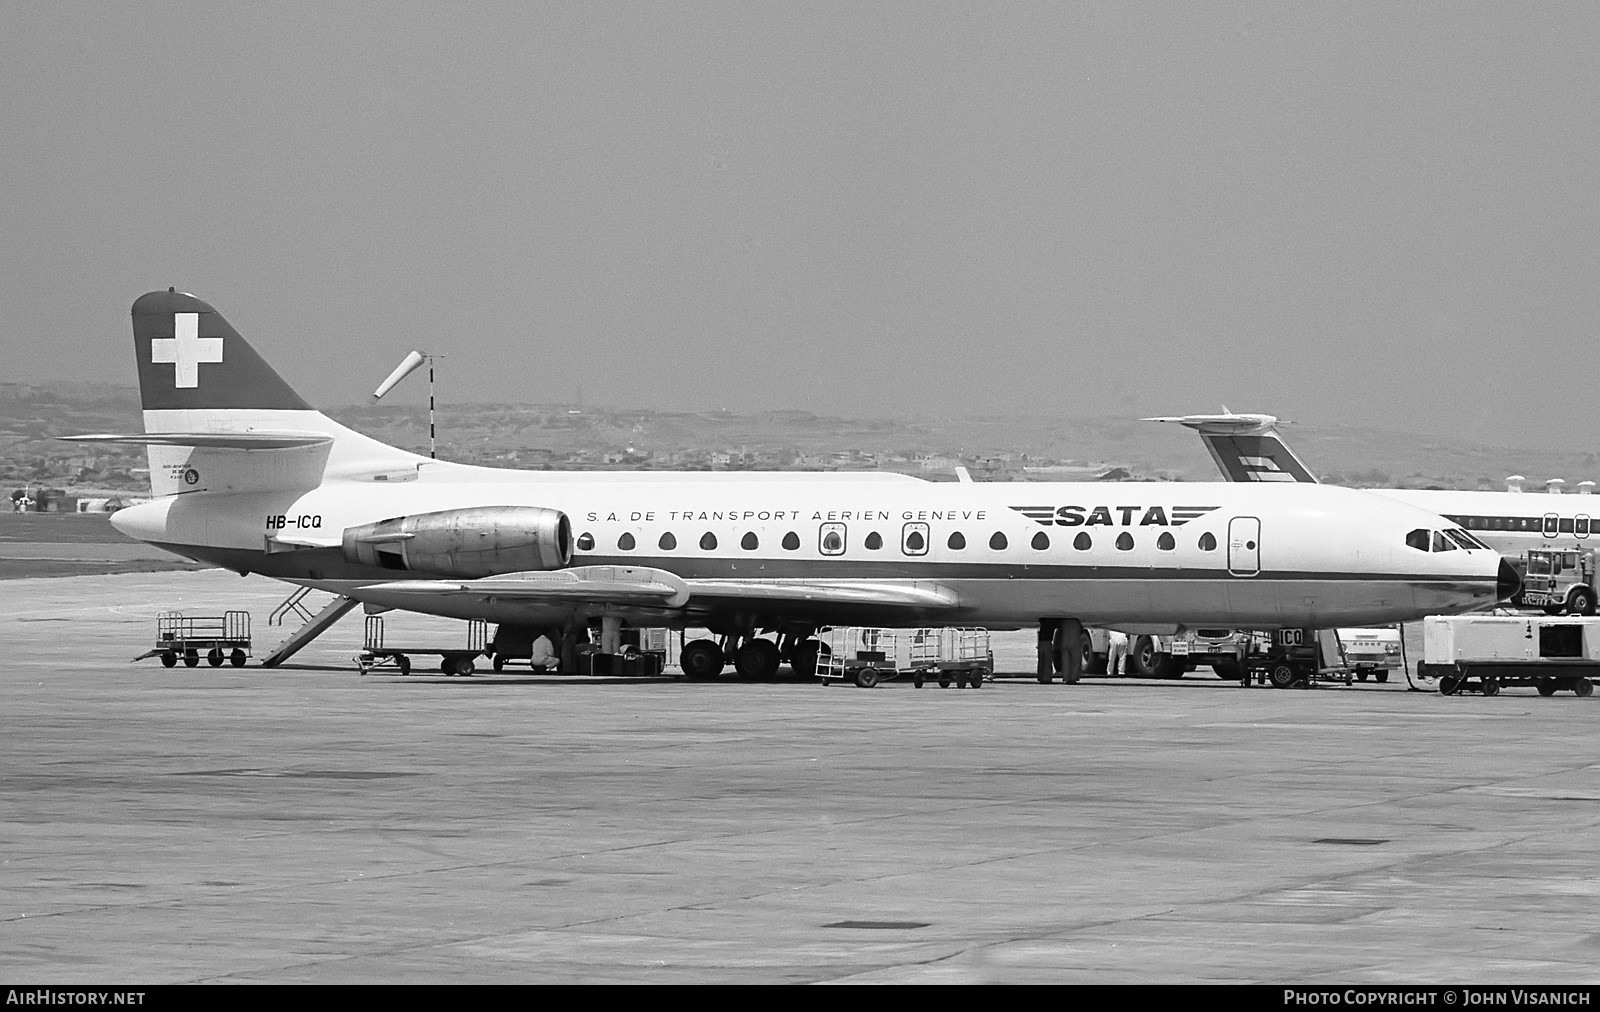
(1246, 447)
(218, 418)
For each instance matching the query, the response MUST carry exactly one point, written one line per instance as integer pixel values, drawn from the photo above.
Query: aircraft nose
(1510, 583)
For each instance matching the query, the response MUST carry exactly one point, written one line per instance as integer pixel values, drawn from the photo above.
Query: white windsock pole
(407, 366)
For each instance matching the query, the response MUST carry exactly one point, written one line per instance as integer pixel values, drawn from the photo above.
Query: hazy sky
(1379, 213)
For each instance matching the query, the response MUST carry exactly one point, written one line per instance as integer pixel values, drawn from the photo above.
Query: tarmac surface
(310, 824)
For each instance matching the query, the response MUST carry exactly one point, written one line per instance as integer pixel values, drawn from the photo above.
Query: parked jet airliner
(250, 477)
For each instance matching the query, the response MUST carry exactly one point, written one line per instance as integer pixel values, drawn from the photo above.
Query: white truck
(1371, 653)
(1557, 581)
(1485, 652)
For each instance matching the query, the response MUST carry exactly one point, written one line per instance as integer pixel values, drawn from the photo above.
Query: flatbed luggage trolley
(868, 656)
(218, 637)
(452, 660)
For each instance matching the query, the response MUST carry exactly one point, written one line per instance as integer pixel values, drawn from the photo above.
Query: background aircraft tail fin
(1246, 447)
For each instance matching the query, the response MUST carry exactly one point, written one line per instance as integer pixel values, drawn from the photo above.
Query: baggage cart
(452, 660)
(869, 656)
(217, 638)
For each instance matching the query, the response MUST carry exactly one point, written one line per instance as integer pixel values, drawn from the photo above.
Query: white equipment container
(1486, 652)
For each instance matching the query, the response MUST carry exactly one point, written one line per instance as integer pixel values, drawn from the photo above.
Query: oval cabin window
(998, 542)
(1041, 541)
(957, 541)
(915, 542)
(1124, 542)
(1165, 542)
(791, 542)
(586, 542)
(625, 542)
(749, 543)
(1208, 542)
(874, 541)
(1083, 542)
(668, 542)
(831, 542)
(708, 541)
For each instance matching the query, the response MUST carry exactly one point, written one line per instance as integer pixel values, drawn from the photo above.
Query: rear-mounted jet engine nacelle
(469, 543)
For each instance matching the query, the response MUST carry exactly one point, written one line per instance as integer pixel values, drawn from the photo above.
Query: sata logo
(1092, 516)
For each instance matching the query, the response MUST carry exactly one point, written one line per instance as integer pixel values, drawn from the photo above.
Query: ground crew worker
(1117, 648)
(544, 654)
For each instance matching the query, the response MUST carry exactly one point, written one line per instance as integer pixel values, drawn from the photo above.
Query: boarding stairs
(313, 625)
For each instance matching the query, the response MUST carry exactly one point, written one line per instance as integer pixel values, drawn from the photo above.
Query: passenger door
(1244, 546)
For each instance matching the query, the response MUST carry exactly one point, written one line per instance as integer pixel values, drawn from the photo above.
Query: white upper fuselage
(1512, 522)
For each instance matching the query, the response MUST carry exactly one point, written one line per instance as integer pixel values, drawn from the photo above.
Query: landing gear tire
(1093, 663)
(757, 660)
(1580, 601)
(168, 659)
(1283, 676)
(191, 658)
(1584, 687)
(701, 660)
(237, 658)
(1546, 687)
(804, 659)
(1491, 687)
(867, 678)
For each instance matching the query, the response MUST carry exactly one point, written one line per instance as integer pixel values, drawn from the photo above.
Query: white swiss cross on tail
(186, 349)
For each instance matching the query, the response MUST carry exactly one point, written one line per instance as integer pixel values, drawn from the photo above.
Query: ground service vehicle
(1371, 653)
(1485, 652)
(1557, 581)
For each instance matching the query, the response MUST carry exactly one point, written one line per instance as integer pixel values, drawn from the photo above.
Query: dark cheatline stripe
(329, 564)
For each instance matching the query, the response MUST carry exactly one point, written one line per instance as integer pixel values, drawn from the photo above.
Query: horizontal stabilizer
(209, 440)
(1229, 423)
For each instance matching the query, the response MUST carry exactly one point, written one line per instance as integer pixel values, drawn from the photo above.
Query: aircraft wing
(918, 594)
(208, 440)
(642, 587)
(625, 585)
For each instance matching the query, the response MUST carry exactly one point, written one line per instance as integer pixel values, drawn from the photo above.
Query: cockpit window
(1441, 543)
(1462, 538)
(1477, 542)
(1418, 539)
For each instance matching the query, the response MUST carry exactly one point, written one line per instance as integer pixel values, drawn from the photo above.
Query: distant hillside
(551, 436)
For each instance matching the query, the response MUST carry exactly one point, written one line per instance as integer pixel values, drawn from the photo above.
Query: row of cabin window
(832, 542)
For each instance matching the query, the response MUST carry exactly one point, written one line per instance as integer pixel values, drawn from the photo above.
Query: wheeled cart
(217, 638)
(1472, 653)
(452, 660)
(869, 656)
